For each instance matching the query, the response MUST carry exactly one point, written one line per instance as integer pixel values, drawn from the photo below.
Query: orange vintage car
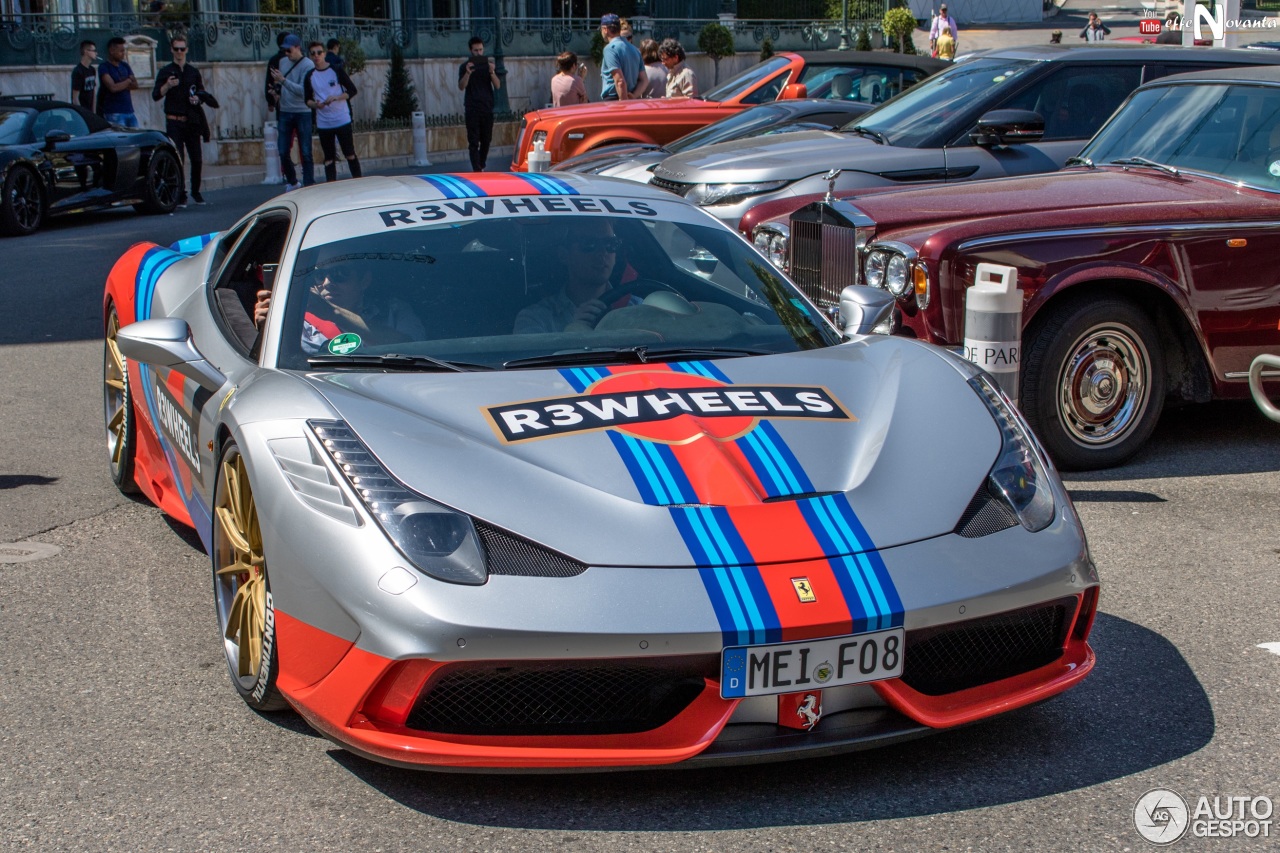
(850, 75)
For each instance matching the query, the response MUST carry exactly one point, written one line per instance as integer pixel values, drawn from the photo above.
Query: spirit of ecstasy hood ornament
(831, 185)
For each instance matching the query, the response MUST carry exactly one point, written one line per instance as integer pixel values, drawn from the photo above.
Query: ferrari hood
(787, 156)
(597, 462)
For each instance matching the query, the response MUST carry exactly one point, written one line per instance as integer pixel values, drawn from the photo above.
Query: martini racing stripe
(152, 266)
(548, 185)
(453, 186)
(655, 470)
(862, 574)
(193, 245)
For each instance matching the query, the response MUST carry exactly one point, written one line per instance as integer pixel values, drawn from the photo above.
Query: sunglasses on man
(611, 245)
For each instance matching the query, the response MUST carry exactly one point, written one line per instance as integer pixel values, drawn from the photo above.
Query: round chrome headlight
(772, 243)
(876, 263)
(896, 280)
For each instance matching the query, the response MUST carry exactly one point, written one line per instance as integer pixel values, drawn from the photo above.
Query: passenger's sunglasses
(607, 244)
(337, 275)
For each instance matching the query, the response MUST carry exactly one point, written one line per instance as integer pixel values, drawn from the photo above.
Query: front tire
(22, 205)
(163, 185)
(241, 588)
(117, 409)
(1093, 382)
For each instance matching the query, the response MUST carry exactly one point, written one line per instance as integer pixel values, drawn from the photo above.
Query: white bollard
(271, 153)
(993, 325)
(539, 158)
(420, 140)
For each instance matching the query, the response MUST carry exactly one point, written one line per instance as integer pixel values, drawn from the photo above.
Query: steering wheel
(637, 286)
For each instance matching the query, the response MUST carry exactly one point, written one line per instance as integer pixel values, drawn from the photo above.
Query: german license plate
(810, 664)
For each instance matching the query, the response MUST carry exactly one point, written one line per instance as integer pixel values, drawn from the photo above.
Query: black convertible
(58, 158)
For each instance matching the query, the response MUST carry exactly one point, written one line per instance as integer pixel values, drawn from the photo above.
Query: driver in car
(588, 257)
(340, 302)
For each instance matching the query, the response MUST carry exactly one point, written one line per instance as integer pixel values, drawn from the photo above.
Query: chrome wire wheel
(241, 589)
(1105, 384)
(116, 411)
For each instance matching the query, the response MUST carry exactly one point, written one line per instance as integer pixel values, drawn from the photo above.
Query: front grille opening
(985, 514)
(508, 554)
(563, 698)
(670, 186)
(967, 654)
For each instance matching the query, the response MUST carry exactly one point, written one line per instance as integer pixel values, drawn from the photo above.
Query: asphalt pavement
(119, 731)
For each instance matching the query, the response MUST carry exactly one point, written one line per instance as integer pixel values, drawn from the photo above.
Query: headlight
(876, 263)
(771, 240)
(1020, 476)
(436, 540)
(896, 280)
(706, 194)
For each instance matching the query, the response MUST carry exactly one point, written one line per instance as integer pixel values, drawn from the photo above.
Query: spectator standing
(117, 81)
(1095, 30)
(1055, 37)
(622, 75)
(328, 90)
(333, 54)
(681, 81)
(624, 28)
(478, 80)
(946, 46)
(654, 71)
(181, 88)
(295, 115)
(567, 87)
(84, 79)
(943, 22)
(272, 87)
(1170, 32)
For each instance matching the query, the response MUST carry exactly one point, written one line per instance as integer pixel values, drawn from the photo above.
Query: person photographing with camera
(478, 79)
(181, 88)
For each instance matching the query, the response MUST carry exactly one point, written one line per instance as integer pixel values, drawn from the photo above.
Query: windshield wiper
(642, 354)
(1080, 161)
(394, 361)
(879, 137)
(1143, 161)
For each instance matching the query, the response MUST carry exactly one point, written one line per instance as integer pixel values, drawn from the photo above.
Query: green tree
(597, 48)
(353, 56)
(863, 40)
(766, 49)
(398, 99)
(898, 25)
(716, 41)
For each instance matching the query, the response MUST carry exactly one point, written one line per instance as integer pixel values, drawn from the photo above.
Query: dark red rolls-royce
(1150, 268)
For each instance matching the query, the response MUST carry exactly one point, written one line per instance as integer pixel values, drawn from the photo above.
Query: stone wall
(372, 145)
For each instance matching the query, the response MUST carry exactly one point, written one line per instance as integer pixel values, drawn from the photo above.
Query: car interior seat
(841, 87)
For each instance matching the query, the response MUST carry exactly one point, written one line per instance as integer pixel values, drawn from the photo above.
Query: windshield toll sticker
(345, 344)
(629, 410)
(471, 208)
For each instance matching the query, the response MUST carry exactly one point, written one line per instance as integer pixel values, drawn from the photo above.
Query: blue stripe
(728, 615)
(573, 376)
(709, 369)
(641, 474)
(548, 185)
(786, 461)
(762, 464)
(857, 596)
(666, 466)
(450, 186)
(872, 562)
(193, 245)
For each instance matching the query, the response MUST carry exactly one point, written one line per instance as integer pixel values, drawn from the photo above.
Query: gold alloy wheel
(240, 572)
(115, 404)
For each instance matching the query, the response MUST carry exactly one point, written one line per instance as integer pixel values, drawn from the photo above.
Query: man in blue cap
(622, 74)
(294, 114)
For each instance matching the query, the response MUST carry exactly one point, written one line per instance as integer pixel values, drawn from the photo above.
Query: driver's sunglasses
(337, 275)
(606, 244)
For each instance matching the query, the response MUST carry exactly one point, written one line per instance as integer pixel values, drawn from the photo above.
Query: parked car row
(1141, 266)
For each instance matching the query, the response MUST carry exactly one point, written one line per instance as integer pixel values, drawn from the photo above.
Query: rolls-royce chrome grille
(827, 238)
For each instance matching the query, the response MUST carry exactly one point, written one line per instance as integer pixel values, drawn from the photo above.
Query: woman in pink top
(566, 86)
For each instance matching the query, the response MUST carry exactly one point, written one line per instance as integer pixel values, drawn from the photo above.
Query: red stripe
(502, 183)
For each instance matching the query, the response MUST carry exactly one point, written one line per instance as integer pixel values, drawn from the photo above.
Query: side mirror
(167, 343)
(794, 91)
(53, 137)
(863, 308)
(1008, 127)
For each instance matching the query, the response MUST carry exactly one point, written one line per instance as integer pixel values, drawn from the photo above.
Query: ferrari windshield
(747, 79)
(1230, 131)
(916, 115)
(514, 285)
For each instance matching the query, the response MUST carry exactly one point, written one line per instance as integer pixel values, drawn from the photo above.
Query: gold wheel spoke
(231, 529)
(117, 360)
(117, 384)
(117, 421)
(239, 550)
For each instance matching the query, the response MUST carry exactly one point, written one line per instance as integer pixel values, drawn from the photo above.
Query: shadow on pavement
(1140, 708)
(14, 481)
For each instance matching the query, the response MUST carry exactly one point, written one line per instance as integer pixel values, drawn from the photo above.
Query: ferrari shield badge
(800, 710)
(344, 344)
(803, 590)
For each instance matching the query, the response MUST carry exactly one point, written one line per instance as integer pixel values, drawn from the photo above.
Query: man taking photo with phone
(181, 88)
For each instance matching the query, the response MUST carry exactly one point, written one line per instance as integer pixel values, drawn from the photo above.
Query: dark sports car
(58, 158)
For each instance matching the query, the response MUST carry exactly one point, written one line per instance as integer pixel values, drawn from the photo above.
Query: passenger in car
(588, 256)
(341, 301)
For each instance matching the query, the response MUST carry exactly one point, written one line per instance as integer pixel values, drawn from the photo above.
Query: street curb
(244, 176)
